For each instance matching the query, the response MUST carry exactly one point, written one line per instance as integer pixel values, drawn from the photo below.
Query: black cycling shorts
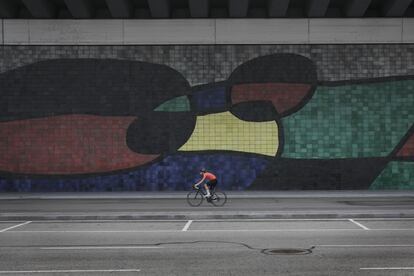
(212, 184)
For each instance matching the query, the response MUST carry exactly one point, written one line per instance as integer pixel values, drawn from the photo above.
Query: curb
(230, 194)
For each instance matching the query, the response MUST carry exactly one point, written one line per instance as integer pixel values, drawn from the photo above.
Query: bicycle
(196, 196)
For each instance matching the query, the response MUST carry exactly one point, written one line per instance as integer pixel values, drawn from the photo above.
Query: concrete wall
(207, 31)
(114, 105)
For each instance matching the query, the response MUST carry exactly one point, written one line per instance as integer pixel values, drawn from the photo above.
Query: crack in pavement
(260, 250)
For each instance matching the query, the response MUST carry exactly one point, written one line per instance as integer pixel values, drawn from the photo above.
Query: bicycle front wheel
(219, 198)
(194, 198)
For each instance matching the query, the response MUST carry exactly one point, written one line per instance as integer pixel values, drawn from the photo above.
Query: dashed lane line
(359, 224)
(14, 226)
(365, 245)
(387, 268)
(98, 247)
(187, 225)
(68, 271)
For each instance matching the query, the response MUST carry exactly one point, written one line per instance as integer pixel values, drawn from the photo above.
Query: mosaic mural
(115, 125)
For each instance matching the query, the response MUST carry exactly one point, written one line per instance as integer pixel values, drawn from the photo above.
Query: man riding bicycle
(210, 182)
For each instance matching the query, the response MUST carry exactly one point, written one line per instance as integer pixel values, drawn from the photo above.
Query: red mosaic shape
(407, 149)
(67, 144)
(284, 96)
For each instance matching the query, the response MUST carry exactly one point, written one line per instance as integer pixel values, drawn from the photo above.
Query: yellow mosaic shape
(224, 131)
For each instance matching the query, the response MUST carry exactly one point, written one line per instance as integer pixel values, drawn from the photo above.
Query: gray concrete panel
(16, 31)
(355, 31)
(261, 31)
(208, 31)
(76, 32)
(408, 30)
(169, 31)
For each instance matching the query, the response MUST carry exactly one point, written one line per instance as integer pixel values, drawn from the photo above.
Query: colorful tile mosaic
(223, 131)
(396, 176)
(349, 121)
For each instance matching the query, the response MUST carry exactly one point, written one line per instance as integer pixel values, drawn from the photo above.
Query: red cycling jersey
(209, 176)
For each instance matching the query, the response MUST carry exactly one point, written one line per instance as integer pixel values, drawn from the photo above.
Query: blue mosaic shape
(173, 173)
(209, 99)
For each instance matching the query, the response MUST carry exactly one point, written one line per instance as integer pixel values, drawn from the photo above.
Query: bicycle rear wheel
(219, 198)
(195, 198)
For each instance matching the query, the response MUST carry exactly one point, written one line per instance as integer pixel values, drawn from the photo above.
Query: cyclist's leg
(206, 186)
(212, 186)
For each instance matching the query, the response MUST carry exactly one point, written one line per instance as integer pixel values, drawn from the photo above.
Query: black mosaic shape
(257, 111)
(285, 68)
(160, 132)
(105, 87)
(317, 174)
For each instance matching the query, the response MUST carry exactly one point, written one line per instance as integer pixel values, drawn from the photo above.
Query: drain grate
(286, 251)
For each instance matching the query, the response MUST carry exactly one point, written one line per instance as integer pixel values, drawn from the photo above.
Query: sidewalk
(240, 205)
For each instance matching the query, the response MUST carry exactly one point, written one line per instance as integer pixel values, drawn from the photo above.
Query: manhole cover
(286, 251)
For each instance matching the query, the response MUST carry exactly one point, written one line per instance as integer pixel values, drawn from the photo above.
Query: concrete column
(80, 8)
(120, 8)
(396, 8)
(8, 8)
(238, 8)
(277, 8)
(159, 8)
(317, 8)
(356, 8)
(199, 8)
(41, 8)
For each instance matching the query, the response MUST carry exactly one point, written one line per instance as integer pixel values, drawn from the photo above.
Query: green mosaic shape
(396, 176)
(175, 105)
(351, 121)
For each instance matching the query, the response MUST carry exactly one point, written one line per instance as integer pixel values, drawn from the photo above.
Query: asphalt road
(208, 247)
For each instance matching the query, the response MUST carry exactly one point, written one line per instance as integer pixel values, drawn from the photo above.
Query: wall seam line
(2, 32)
(28, 32)
(215, 31)
(123, 31)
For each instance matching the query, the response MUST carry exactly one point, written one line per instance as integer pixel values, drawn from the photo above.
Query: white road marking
(15, 226)
(68, 271)
(99, 247)
(207, 220)
(93, 231)
(205, 230)
(365, 245)
(359, 224)
(187, 225)
(387, 268)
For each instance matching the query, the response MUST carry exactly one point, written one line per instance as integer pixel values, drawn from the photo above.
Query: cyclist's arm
(199, 182)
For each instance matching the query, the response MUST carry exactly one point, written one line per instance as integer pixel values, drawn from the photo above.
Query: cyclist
(210, 182)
